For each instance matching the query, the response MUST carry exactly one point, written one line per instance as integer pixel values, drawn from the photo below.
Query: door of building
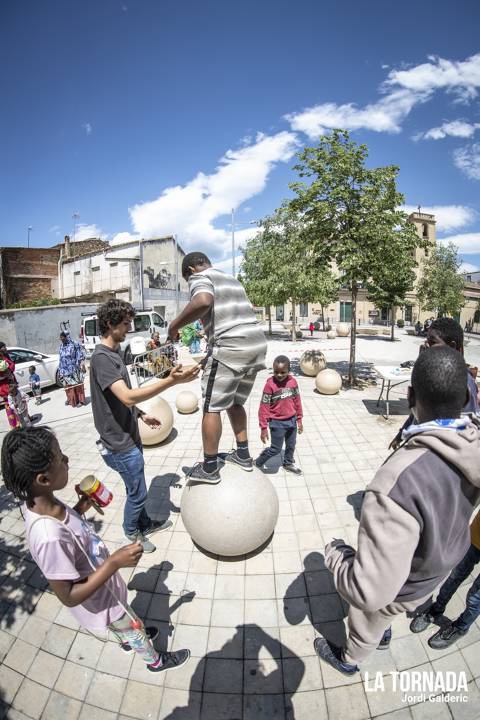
(345, 311)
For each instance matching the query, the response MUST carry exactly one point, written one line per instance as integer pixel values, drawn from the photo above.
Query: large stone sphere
(343, 329)
(331, 334)
(233, 517)
(159, 408)
(186, 402)
(328, 382)
(311, 362)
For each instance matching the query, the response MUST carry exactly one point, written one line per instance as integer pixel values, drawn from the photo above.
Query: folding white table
(392, 376)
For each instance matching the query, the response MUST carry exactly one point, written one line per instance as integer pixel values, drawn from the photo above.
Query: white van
(143, 325)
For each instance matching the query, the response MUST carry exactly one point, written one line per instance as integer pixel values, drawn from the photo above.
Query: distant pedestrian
(280, 412)
(17, 408)
(7, 371)
(34, 381)
(311, 327)
(71, 370)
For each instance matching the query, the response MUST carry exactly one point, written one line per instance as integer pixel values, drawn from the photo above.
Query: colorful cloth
(18, 405)
(455, 424)
(280, 401)
(7, 375)
(71, 358)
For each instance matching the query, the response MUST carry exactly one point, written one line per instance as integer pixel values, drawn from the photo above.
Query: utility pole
(177, 283)
(75, 216)
(233, 242)
(29, 229)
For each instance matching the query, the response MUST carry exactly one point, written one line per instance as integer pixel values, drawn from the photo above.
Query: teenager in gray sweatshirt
(414, 524)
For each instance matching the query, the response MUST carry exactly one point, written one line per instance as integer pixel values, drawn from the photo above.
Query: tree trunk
(323, 316)
(269, 320)
(353, 335)
(294, 334)
(392, 310)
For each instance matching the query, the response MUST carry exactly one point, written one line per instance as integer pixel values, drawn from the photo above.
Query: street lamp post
(29, 230)
(75, 216)
(233, 242)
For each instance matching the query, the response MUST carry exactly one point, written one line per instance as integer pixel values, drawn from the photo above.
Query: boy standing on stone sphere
(116, 416)
(280, 411)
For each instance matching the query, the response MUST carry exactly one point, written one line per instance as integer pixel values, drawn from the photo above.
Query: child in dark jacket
(280, 411)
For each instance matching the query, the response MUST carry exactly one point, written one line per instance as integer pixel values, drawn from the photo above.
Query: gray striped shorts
(223, 387)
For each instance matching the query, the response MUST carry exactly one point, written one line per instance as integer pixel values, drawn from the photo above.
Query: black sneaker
(261, 466)
(151, 632)
(170, 661)
(198, 474)
(332, 655)
(155, 527)
(232, 457)
(422, 621)
(291, 467)
(385, 641)
(446, 636)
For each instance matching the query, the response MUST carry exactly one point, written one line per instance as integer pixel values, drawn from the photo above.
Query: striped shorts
(223, 387)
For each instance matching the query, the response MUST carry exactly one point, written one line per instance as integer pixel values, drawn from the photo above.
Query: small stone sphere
(186, 402)
(233, 517)
(159, 408)
(331, 334)
(343, 329)
(328, 382)
(311, 362)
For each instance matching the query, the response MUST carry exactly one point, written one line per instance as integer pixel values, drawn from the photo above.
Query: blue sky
(152, 117)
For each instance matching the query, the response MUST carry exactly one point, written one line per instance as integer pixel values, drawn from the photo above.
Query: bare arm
(132, 396)
(198, 306)
(72, 594)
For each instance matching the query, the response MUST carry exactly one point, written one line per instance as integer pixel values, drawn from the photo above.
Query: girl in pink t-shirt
(75, 561)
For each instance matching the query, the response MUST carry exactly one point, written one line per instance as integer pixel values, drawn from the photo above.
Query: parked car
(46, 366)
(144, 324)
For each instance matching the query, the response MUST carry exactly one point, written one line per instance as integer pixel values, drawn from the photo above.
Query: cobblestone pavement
(251, 622)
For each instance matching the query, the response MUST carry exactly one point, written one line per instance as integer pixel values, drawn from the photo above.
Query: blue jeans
(130, 465)
(453, 582)
(195, 346)
(281, 430)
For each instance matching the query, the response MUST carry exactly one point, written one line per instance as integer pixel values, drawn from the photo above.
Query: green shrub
(400, 323)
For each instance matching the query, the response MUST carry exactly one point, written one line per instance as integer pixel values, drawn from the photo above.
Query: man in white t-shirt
(236, 349)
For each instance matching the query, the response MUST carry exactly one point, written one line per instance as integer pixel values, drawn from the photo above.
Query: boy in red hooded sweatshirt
(280, 411)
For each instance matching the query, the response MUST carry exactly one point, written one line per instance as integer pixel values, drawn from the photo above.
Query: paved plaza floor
(250, 623)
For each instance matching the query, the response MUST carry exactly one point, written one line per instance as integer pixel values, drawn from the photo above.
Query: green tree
(278, 266)
(327, 288)
(441, 287)
(393, 277)
(351, 211)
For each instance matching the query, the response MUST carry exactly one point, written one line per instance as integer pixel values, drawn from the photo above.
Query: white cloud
(467, 243)
(54, 229)
(401, 91)
(226, 265)
(459, 77)
(448, 217)
(454, 128)
(190, 210)
(124, 237)
(467, 159)
(467, 268)
(386, 115)
(85, 232)
(88, 127)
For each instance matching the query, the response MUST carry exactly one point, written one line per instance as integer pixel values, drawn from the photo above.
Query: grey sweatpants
(365, 629)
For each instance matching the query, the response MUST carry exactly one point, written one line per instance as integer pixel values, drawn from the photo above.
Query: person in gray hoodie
(414, 524)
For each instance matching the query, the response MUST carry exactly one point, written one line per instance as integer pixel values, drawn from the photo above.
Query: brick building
(32, 273)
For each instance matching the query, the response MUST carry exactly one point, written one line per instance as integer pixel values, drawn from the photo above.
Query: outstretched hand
(180, 374)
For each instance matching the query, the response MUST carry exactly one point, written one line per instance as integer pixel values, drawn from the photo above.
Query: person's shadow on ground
(313, 595)
(151, 585)
(159, 503)
(236, 682)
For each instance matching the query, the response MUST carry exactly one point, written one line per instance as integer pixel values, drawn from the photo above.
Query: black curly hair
(26, 452)
(112, 313)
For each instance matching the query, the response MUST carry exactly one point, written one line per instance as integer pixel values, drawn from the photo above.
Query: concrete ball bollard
(186, 402)
(233, 517)
(311, 362)
(331, 334)
(343, 329)
(159, 408)
(328, 382)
